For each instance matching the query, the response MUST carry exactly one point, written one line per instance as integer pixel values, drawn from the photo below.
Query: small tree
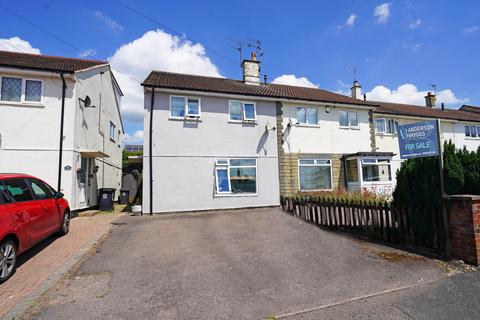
(452, 169)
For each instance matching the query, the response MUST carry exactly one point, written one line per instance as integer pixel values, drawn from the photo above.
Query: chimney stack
(430, 100)
(251, 70)
(356, 90)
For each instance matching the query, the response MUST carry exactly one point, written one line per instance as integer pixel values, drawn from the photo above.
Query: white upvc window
(315, 174)
(112, 131)
(386, 126)
(348, 119)
(307, 116)
(472, 131)
(236, 176)
(182, 107)
(376, 170)
(242, 111)
(21, 90)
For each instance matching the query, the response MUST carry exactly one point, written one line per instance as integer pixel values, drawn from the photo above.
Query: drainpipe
(60, 153)
(150, 148)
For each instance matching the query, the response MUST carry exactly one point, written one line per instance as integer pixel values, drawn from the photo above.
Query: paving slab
(242, 264)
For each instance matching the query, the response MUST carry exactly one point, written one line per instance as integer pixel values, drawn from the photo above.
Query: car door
(44, 197)
(28, 212)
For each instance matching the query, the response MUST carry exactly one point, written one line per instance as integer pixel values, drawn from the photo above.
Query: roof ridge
(49, 56)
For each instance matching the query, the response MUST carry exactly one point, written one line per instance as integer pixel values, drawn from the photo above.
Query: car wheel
(65, 227)
(8, 259)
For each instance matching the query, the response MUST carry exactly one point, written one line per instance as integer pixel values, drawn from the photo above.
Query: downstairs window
(236, 176)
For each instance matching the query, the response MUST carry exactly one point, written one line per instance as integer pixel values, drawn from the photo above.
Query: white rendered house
(60, 121)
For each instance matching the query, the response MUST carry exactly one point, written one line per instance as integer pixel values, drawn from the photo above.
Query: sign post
(422, 139)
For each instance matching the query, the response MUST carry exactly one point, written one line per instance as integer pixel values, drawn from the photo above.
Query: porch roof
(94, 153)
(369, 154)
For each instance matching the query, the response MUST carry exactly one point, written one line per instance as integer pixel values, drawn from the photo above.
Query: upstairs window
(348, 119)
(184, 107)
(472, 131)
(242, 111)
(11, 89)
(112, 131)
(21, 90)
(307, 116)
(386, 126)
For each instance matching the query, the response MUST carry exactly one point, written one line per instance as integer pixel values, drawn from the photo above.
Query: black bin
(124, 196)
(105, 199)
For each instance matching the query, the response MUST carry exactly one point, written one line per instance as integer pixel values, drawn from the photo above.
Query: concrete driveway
(244, 264)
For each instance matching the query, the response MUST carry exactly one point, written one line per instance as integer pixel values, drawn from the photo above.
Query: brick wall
(464, 220)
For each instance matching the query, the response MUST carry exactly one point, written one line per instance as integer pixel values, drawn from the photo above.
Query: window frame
(315, 164)
(113, 128)
(244, 118)
(349, 126)
(366, 161)
(227, 166)
(306, 123)
(394, 125)
(469, 136)
(23, 91)
(187, 116)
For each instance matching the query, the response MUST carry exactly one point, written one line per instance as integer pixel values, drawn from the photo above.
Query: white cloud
(137, 137)
(470, 30)
(351, 20)
(415, 24)
(87, 53)
(382, 12)
(155, 50)
(413, 46)
(409, 94)
(109, 22)
(292, 80)
(18, 45)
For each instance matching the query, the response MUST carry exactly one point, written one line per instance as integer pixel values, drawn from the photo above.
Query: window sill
(349, 128)
(22, 104)
(316, 190)
(472, 139)
(386, 134)
(305, 125)
(254, 122)
(185, 119)
(226, 195)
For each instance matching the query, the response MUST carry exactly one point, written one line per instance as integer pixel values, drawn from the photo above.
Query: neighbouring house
(461, 126)
(60, 120)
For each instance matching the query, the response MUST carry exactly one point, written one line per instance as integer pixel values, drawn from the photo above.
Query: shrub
(453, 169)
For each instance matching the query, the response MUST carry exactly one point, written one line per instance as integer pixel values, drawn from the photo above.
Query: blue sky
(393, 45)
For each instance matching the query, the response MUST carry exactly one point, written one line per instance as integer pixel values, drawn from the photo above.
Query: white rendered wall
(184, 155)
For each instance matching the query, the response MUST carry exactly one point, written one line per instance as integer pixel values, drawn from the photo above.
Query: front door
(84, 182)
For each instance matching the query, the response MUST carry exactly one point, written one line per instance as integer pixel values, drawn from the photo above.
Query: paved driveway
(245, 264)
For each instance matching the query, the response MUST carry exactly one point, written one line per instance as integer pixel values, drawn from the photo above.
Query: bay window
(315, 174)
(236, 176)
(376, 170)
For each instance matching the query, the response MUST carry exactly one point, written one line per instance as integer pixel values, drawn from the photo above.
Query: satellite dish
(87, 102)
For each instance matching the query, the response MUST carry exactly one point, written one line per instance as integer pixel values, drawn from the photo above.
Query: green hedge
(418, 182)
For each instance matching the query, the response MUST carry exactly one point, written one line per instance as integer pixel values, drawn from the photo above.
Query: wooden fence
(419, 227)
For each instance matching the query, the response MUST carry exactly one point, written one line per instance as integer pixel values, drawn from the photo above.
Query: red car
(30, 211)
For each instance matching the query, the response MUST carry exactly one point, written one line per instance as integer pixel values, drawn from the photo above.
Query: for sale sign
(417, 140)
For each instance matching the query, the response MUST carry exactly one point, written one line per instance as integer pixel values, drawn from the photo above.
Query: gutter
(150, 147)
(62, 118)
